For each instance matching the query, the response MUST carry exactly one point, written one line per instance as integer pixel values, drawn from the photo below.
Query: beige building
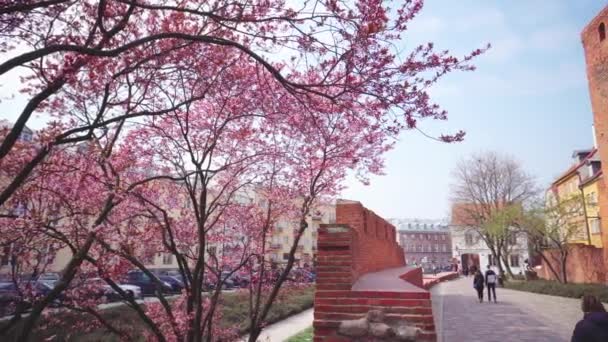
(285, 232)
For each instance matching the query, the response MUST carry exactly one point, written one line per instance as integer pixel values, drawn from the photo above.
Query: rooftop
(422, 225)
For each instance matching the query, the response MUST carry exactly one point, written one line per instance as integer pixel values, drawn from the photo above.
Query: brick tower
(595, 43)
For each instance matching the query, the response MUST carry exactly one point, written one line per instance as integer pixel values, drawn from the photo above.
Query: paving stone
(518, 316)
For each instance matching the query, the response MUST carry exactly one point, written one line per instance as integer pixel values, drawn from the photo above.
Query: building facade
(470, 249)
(425, 242)
(577, 191)
(595, 44)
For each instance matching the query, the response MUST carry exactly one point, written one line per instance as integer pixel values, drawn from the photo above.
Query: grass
(555, 288)
(64, 326)
(302, 336)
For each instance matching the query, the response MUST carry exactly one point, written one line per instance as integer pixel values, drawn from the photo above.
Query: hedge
(234, 315)
(555, 288)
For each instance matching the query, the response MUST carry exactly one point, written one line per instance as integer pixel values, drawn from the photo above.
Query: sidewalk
(286, 328)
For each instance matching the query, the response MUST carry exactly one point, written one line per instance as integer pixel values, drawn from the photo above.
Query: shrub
(555, 288)
(59, 326)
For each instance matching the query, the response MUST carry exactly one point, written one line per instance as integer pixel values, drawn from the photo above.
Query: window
(212, 250)
(435, 237)
(444, 248)
(468, 238)
(594, 226)
(420, 248)
(512, 239)
(514, 258)
(286, 239)
(285, 256)
(428, 236)
(5, 257)
(592, 198)
(442, 237)
(428, 248)
(491, 260)
(602, 31)
(167, 259)
(436, 247)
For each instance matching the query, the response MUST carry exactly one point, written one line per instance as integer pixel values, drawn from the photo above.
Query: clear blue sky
(528, 98)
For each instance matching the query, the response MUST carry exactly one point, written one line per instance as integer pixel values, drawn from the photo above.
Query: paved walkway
(286, 328)
(518, 316)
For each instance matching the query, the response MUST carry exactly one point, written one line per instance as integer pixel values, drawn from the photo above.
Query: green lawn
(303, 336)
(555, 288)
(60, 326)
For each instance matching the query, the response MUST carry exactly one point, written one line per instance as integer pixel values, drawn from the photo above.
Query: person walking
(594, 325)
(478, 285)
(491, 279)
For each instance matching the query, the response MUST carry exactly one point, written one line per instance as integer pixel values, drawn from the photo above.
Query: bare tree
(484, 185)
(553, 226)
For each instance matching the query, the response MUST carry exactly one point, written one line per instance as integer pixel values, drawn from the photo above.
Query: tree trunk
(505, 259)
(563, 259)
(550, 265)
(62, 284)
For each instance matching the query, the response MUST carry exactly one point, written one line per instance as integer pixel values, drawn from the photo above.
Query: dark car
(11, 298)
(149, 286)
(236, 280)
(176, 284)
(211, 282)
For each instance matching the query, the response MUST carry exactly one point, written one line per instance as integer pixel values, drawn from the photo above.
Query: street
(518, 316)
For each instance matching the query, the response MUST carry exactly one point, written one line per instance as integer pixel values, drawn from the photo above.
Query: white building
(468, 247)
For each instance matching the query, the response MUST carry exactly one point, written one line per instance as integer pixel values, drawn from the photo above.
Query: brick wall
(375, 242)
(362, 242)
(584, 264)
(596, 58)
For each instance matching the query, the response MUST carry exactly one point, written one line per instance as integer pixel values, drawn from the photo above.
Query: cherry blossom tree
(162, 118)
(333, 49)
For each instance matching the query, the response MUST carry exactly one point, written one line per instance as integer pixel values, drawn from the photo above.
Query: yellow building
(581, 180)
(591, 190)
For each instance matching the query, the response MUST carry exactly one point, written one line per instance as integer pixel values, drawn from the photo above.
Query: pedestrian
(594, 325)
(478, 285)
(491, 279)
(465, 271)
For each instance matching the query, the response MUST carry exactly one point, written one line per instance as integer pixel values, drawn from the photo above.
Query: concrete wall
(584, 264)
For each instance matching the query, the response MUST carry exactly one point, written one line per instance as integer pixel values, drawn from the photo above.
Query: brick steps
(362, 309)
(373, 294)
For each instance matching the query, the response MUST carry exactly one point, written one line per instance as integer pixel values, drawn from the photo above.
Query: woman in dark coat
(594, 325)
(478, 282)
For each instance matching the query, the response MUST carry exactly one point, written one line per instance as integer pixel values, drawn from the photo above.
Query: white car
(130, 289)
(112, 295)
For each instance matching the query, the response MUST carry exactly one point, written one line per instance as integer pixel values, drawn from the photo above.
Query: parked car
(236, 280)
(211, 282)
(9, 299)
(10, 296)
(176, 284)
(147, 285)
(49, 277)
(104, 290)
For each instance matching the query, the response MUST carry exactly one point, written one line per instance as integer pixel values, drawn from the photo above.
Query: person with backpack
(594, 325)
(478, 285)
(491, 280)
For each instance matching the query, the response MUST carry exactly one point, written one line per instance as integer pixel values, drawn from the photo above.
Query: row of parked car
(135, 284)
